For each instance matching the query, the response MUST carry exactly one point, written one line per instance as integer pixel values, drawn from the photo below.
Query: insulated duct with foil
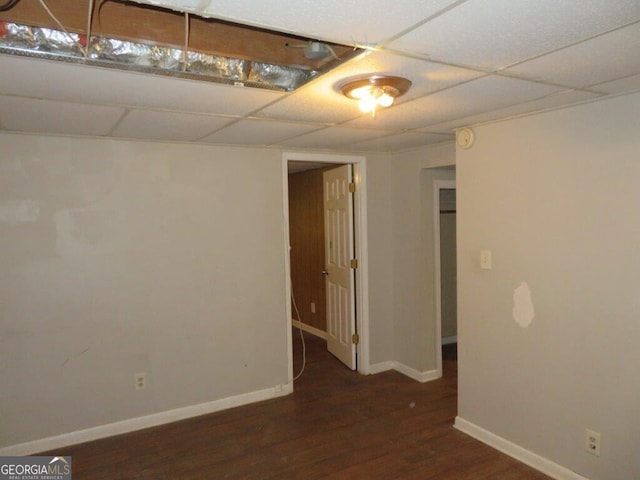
(41, 42)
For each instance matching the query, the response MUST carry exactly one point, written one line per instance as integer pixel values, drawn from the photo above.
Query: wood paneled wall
(306, 234)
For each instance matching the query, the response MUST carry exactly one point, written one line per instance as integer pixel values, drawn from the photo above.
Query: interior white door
(338, 228)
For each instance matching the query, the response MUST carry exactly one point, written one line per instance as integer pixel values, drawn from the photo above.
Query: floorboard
(336, 425)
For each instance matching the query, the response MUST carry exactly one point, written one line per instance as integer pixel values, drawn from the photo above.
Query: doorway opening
(445, 271)
(313, 310)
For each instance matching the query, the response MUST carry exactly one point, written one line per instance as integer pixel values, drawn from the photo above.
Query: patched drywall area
(125, 257)
(523, 311)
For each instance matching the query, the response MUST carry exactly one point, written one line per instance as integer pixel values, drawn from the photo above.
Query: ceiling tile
(317, 102)
(402, 141)
(553, 40)
(341, 21)
(321, 100)
(552, 101)
(161, 125)
(45, 116)
(482, 95)
(617, 54)
(258, 132)
(498, 33)
(426, 76)
(334, 137)
(80, 83)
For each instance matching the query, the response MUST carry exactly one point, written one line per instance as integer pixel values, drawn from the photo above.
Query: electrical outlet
(485, 260)
(592, 442)
(141, 381)
(313, 307)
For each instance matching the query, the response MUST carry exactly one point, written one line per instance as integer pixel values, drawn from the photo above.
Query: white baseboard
(417, 375)
(449, 340)
(309, 329)
(139, 423)
(380, 367)
(412, 373)
(541, 464)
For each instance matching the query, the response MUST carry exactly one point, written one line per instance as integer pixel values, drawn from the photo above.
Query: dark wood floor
(337, 424)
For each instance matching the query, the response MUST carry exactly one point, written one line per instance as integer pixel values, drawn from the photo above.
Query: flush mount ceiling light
(375, 91)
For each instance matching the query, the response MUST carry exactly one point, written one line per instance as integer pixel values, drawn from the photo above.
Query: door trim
(437, 186)
(361, 249)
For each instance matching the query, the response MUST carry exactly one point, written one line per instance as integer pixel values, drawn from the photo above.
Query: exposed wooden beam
(132, 21)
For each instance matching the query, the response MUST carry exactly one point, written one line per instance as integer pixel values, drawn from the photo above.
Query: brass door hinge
(354, 263)
(355, 339)
(352, 187)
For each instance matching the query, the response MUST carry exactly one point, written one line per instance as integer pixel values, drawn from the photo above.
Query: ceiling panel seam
(423, 22)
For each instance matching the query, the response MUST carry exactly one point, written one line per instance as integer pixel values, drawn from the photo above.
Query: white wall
(412, 247)
(122, 257)
(556, 199)
(380, 237)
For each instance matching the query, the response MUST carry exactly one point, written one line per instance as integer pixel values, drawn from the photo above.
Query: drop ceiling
(470, 62)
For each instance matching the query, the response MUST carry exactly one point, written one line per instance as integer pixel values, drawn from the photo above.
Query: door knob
(325, 272)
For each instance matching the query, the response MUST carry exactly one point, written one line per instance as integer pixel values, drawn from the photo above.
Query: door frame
(361, 250)
(437, 186)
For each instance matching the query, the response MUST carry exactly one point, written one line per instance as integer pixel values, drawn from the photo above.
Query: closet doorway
(446, 269)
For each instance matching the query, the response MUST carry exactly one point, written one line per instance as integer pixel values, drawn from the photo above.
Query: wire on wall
(185, 52)
(304, 347)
